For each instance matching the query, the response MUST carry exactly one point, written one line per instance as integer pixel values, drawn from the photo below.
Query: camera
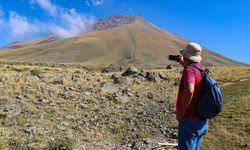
(174, 58)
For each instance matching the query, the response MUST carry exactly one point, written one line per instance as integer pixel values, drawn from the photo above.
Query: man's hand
(179, 116)
(181, 60)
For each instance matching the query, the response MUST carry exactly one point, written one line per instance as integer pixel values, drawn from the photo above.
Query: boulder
(75, 77)
(108, 88)
(170, 66)
(58, 81)
(119, 80)
(130, 71)
(114, 76)
(143, 73)
(42, 75)
(137, 78)
(2, 78)
(151, 76)
(105, 70)
(163, 75)
(11, 112)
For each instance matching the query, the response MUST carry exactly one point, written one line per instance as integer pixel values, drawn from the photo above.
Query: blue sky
(220, 25)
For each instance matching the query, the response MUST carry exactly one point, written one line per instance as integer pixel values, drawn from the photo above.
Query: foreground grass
(231, 129)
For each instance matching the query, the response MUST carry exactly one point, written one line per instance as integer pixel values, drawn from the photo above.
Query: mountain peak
(117, 20)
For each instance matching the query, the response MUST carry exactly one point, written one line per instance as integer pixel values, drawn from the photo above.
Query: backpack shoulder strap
(199, 68)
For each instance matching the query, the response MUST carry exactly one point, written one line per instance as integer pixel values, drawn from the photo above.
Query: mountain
(26, 43)
(120, 39)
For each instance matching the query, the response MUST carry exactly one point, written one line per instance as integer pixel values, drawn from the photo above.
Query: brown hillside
(138, 42)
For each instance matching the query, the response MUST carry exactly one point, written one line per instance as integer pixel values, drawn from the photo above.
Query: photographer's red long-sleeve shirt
(190, 75)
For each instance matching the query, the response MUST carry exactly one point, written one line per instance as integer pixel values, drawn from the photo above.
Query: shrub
(17, 69)
(35, 72)
(77, 72)
(65, 144)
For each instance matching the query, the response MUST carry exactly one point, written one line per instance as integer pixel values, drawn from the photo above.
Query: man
(191, 126)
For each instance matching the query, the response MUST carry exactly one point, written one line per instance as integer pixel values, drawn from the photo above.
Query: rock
(58, 81)
(150, 96)
(246, 145)
(87, 77)
(130, 94)
(70, 117)
(146, 141)
(65, 123)
(130, 71)
(176, 83)
(75, 77)
(109, 88)
(30, 130)
(123, 99)
(83, 105)
(114, 76)
(42, 75)
(11, 112)
(143, 73)
(163, 75)
(133, 146)
(42, 100)
(170, 66)
(20, 97)
(61, 127)
(119, 80)
(13, 107)
(151, 76)
(105, 70)
(137, 78)
(87, 93)
(2, 78)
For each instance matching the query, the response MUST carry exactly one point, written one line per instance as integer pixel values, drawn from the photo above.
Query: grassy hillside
(231, 129)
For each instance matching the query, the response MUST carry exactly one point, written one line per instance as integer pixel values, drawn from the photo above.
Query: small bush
(17, 69)
(35, 72)
(77, 72)
(65, 144)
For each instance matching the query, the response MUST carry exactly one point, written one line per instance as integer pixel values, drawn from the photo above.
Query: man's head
(192, 53)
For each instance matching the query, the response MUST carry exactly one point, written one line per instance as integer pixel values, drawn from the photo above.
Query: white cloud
(21, 26)
(94, 2)
(73, 24)
(69, 22)
(46, 5)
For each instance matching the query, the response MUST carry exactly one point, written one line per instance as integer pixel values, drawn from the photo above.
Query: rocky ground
(44, 106)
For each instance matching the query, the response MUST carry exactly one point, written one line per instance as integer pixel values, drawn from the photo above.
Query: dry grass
(231, 127)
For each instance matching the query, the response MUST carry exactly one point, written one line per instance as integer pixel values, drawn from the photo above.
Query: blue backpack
(210, 102)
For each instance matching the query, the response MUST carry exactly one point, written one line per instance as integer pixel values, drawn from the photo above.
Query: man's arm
(185, 100)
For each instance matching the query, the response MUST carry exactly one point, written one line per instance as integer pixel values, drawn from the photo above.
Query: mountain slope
(131, 41)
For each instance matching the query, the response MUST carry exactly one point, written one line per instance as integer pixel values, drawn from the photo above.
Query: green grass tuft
(17, 69)
(77, 72)
(65, 144)
(35, 72)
